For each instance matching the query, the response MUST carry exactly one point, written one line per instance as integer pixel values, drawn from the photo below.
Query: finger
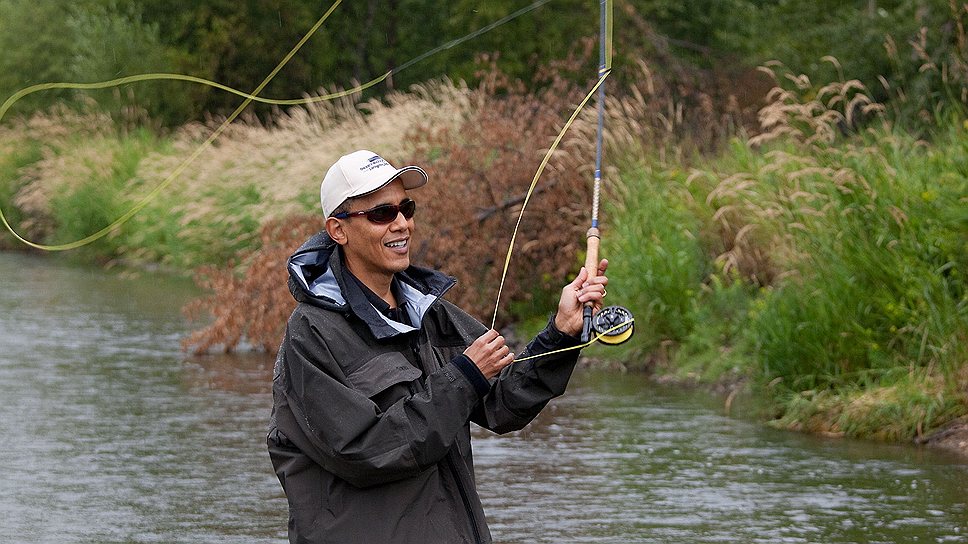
(496, 345)
(579, 279)
(592, 293)
(602, 266)
(488, 336)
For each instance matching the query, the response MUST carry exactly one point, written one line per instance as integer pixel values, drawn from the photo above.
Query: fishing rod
(612, 324)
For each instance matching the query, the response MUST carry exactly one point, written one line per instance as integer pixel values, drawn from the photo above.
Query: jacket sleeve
(345, 430)
(523, 389)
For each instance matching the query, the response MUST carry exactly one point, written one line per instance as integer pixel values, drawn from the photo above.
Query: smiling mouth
(396, 244)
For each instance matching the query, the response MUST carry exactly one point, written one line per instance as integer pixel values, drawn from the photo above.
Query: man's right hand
(489, 353)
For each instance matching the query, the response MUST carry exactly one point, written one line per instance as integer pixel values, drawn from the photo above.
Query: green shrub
(87, 205)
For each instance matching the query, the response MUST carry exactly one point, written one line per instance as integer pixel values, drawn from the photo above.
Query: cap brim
(411, 176)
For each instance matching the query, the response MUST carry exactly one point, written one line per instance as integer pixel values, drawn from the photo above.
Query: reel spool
(613, 325)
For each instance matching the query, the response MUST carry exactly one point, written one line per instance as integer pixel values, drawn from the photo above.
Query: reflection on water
(112, 434)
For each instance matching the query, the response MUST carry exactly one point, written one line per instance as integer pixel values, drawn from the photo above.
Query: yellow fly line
(599, 337)
(604, 71)
(622, 331)
(534, 183)
(14, 98)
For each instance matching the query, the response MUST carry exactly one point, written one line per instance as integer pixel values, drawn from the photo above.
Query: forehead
(392, 193)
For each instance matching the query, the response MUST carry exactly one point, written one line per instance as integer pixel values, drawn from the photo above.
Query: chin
(399, 265)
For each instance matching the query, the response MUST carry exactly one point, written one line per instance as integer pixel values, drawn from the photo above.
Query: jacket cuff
(555, 336)
(472, 373)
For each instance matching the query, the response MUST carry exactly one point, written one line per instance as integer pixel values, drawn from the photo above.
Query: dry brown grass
(284, 162)
(756, 213)
(796, 113)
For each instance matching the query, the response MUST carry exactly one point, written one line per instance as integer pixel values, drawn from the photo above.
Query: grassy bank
(828, 270)
(821, 262)
(66, 174)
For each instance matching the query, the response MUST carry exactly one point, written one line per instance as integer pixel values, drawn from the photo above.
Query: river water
(112, 434)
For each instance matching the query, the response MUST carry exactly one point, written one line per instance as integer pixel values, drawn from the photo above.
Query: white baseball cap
(363, 172)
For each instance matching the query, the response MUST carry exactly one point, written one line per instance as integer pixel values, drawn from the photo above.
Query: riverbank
(820, 264)
(952, 437)
(824, 266)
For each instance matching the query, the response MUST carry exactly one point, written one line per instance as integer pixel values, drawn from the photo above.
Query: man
(378, 376)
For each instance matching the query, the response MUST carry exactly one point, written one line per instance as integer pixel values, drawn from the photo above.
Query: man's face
(375, 252)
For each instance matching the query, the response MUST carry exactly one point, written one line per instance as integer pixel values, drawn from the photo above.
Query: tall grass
(826, 263)
(13, 160)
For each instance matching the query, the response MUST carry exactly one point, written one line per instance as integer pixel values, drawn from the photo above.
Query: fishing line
(471, 36)
(181, 77)
(249, 98)
(534, 183)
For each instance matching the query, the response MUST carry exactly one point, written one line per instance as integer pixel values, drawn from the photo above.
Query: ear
(334, 227)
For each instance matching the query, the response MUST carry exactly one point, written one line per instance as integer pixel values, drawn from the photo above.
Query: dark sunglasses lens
(386, 213)
(382, 214)
(407, 208)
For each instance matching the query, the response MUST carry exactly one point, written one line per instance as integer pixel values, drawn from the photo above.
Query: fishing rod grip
(591, 267)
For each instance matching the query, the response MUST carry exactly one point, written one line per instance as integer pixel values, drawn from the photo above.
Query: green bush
(83, 42)
(91, 204)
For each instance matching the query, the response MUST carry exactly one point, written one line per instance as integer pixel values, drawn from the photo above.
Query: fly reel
(613, 325)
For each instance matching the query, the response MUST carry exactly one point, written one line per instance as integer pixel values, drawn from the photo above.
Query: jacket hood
(315, 277)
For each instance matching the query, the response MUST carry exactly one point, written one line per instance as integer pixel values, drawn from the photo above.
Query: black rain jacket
(369, 433)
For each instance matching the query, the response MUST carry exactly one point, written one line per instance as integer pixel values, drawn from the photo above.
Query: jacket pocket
(384, 378)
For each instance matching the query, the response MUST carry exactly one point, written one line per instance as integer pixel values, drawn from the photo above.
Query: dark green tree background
(238, 42)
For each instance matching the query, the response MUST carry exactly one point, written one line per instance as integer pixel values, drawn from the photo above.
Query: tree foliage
(239, 42)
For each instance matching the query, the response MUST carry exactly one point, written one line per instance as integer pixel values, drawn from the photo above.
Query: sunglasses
(384, 213)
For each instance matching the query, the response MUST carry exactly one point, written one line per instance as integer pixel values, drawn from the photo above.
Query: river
(112, 434)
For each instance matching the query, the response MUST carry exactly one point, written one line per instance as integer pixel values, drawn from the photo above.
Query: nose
(399, 222)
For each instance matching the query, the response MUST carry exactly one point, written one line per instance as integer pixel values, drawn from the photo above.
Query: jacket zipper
(465, 499)
(415, 348)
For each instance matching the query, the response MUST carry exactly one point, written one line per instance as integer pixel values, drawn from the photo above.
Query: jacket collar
(316, 277)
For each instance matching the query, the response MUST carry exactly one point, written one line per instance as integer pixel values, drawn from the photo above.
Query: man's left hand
(574, 296)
